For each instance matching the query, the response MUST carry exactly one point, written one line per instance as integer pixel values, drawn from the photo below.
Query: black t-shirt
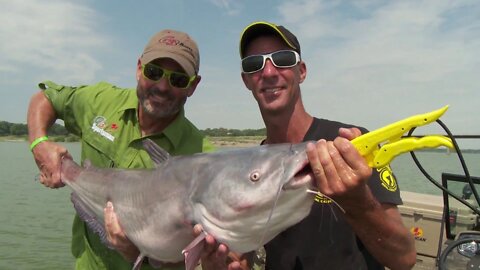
(324, 239)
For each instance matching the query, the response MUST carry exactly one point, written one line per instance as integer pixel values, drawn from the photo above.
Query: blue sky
(369, 62)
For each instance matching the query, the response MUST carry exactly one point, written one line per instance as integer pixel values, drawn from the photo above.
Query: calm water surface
(35, 222)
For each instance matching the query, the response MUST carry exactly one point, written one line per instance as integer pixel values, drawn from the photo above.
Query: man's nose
(163, 84)
(269, 68)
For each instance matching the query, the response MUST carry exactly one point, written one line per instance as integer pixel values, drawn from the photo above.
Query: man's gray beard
(155, 111)
(162, 112)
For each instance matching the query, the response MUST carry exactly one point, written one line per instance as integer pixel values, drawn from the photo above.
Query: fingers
(214, 256)
(337, 166)
(111, 223)
(212, 248)
(50, 177)
(211, 245)
(349, 133)
(240, 261)
(313, 151)
(217, 256)
(116, 236)
(324, 159)
(235, 266)
(336, 169)
(197, 229)
(351, 158)
(48, 156)
(114, 231)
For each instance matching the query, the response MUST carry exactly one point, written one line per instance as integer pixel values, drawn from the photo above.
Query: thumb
(349, 133)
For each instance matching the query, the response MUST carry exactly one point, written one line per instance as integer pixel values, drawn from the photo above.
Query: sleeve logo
(388, 179)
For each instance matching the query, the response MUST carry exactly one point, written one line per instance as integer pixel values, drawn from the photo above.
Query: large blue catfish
(243, 197)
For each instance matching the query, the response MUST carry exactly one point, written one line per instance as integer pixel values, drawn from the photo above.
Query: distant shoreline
(236, 141)
(226, 141)
(13, 138)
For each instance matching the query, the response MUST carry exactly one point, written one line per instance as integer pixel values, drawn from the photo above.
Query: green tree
(4, 128)
(57, 129)
(18, 129)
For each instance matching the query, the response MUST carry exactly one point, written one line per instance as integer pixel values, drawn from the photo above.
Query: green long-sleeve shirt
(105, 118)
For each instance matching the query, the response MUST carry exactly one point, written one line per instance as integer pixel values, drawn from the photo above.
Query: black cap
(257, 29)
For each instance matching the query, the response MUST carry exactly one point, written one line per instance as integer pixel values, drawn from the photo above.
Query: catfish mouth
(302, 176)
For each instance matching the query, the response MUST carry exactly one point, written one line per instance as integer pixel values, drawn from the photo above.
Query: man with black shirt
(367, 231)
(370, 233)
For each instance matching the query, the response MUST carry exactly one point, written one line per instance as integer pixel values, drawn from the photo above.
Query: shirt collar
(130, 103)
(176, 130)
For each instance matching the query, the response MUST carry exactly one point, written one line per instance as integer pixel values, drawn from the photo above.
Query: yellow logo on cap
(388, 179)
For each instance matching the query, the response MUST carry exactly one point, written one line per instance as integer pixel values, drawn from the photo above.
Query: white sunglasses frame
(269, 56)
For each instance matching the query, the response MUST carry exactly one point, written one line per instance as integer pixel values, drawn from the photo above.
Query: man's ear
(139, 70)
(194, 85)
(303, 71)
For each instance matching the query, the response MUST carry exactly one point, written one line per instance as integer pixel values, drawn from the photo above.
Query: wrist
(362, 205)
(129, 253)
(37, 141)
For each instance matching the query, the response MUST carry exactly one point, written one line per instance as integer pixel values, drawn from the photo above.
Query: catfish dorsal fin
(157, 154)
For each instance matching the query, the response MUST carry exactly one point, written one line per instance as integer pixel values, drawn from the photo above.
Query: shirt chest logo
(99, 125)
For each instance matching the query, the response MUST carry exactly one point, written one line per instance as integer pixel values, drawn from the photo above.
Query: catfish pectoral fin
(138, 262)
(193, 251)
(89, 217)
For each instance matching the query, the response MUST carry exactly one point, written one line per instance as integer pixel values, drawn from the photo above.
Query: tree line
(226, 132)
(15, 129)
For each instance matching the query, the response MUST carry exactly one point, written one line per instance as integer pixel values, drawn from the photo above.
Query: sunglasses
(175, 79)
(280, 59)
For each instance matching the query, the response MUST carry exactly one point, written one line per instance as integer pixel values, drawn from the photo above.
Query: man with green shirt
(112, 122)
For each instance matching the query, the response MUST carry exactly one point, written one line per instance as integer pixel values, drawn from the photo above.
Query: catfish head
(253, 194)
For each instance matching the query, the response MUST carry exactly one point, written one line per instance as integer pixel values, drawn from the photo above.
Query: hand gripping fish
(381, 146)
(242, 197)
